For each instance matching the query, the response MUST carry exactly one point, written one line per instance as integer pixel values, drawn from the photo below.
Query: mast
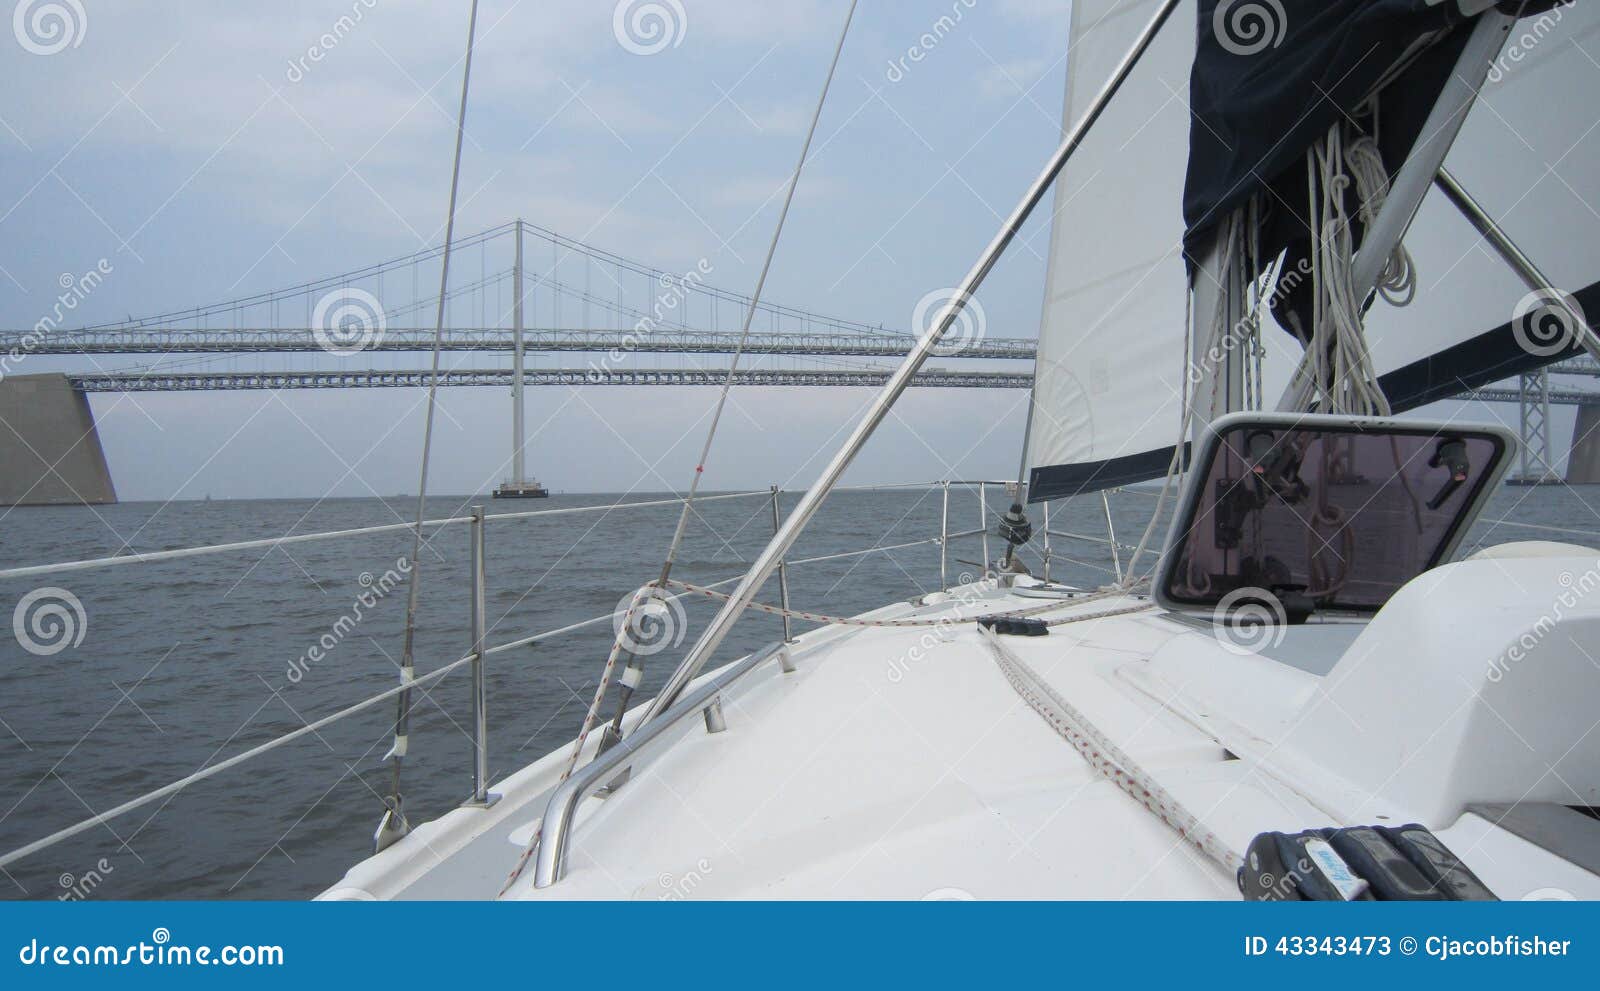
(518, 475)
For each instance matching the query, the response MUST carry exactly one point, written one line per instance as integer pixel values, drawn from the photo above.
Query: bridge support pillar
(50, 452)
(1583, 466)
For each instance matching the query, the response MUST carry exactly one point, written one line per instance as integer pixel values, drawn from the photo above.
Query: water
(188, 662)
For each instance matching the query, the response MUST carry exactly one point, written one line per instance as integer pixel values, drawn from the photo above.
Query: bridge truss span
(572, 377)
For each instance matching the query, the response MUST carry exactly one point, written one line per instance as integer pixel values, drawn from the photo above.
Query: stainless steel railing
(643, 739)
(562, 807)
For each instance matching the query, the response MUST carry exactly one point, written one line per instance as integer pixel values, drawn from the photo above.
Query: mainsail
(1112, 357)
(1109, 384)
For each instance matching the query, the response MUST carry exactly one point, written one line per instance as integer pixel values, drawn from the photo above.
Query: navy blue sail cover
(1270, 77)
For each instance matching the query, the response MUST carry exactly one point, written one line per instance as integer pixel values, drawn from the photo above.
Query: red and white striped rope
(1107, 758)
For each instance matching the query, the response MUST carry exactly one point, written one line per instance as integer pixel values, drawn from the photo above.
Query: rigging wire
(643, 598)
(755, 300)
(395, 814)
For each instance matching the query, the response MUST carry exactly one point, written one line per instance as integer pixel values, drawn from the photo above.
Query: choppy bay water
(184, 663)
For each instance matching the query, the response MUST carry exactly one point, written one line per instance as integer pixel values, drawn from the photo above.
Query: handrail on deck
(564, 801)
(555, 830)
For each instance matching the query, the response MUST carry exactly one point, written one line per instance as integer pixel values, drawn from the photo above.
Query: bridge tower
(1533, 399)
(519, 486)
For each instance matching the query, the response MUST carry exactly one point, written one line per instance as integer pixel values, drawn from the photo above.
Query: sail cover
(1272, 76)
(1109, 380)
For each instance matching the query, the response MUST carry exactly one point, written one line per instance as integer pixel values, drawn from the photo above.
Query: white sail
(1530, 154)
(1109, 382)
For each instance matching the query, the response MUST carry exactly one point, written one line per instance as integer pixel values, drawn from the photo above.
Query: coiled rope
(1336, 373)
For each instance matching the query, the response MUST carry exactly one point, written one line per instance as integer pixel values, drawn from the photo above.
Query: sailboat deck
(896, 763)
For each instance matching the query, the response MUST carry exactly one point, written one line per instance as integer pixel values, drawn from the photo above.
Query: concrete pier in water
(50, 452)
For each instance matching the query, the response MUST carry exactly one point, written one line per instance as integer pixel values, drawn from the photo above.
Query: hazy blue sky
(204, 153)
(198, 150)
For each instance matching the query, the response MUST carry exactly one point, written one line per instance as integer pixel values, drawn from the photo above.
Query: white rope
(1336, 373)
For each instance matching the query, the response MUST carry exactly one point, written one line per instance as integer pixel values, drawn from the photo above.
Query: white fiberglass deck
(901, 764)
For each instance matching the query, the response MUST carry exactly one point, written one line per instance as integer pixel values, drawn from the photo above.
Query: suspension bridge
(534, 293)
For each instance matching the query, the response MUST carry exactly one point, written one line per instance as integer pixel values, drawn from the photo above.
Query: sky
(202, 153)
(208, 152)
